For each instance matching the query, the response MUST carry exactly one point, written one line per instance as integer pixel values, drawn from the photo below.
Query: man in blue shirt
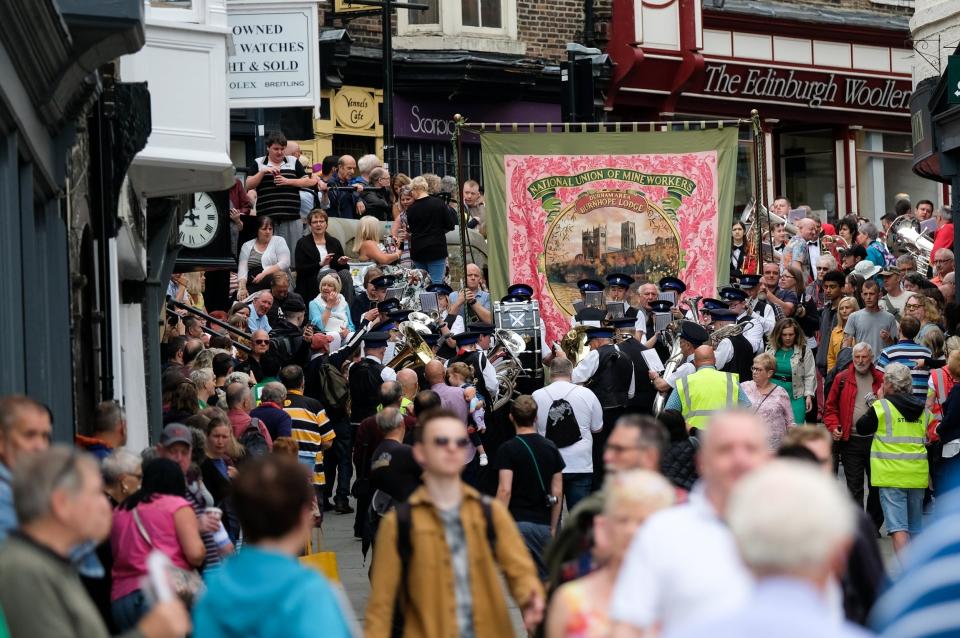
(908, 352)
(25, 428)
(259, 308)
(476, 298)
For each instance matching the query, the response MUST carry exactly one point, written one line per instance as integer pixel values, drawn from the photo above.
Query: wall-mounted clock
(200, 223)
(204, 234)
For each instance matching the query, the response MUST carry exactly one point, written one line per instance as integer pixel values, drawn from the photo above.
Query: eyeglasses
(758, 369)
(786, 276)
(914, 306)
(261, 342)
(445, 441)
(942, 261)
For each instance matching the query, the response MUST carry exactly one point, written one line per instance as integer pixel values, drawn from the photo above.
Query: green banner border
(494, 146)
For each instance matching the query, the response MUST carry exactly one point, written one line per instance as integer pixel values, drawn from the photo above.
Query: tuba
(671, 334)
(574, 344)
(509, 367)
(415, 351)
(907, 231)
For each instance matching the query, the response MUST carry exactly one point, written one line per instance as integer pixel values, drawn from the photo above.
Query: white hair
(898, 377)
(121, 461)
(863, 345)
(367, 163)
(237, 377)
(828, 261)
(637, 487)
(788, 518)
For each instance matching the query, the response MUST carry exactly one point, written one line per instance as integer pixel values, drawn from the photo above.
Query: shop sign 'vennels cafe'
(815, 89)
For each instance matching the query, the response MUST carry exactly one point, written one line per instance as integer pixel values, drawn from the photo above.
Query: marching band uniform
(644, 391)
(753, 328)
(762, 310)
(608, 372)
(734, 353)
(453, 323)
(366, 377)
(585, 286)
(696, 335)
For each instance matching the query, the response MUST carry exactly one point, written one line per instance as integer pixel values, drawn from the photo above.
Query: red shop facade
(832, 87)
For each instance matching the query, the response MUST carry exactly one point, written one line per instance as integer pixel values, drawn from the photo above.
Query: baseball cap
(176, 433)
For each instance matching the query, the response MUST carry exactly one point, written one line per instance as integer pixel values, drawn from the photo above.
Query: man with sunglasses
(440, 558)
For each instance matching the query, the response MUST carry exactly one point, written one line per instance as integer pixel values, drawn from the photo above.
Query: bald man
(683, 564)
(700, 395)
(344, 194)
(409, 385)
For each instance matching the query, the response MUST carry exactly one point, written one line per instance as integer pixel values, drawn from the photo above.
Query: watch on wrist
(470, 302)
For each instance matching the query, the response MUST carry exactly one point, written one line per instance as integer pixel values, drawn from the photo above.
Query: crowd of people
(677, 481)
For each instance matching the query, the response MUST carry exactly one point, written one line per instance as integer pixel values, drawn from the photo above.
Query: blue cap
(514, 299)
(481, 328)
(431, 339)
(520, 290)
(722, 314)
(384, 326)
(713, 304)
(466, 338)
(384, 281)
(749, 281)
(388, 305)
(694, 333)
(375, 339)
(442, 289)
(603, 332)
(590, 314)
(400, 315)
(733, 294)
(623, 322)
(590, 285)
(619, 279)
(661, 305)
(672, 283)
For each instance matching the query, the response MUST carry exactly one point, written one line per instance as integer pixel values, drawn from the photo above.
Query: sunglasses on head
(445, 441)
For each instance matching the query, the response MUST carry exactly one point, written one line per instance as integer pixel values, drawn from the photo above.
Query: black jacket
(307, 261)
(679, 463)
(377, 202)
(910, 407)
(428, 222)
(949, 428)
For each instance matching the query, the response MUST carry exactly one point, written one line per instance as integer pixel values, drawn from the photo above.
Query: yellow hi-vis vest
(704, 392)
(898, 457)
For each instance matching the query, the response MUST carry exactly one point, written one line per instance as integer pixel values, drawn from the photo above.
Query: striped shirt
(907, 352)
(311, 429)
(281, 203)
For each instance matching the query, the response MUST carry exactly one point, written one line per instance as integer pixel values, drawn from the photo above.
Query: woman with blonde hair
(397, 184)
(329, 311)
(932, 317)
(579, 608)
(846, 307)
(428, 221)
(369, 247)
(795, 371)
(196, 283)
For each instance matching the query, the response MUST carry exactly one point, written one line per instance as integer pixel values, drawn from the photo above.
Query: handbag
(187, 585)
(323, 562)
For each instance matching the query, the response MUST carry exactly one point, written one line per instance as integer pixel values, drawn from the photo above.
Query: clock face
(201, 222)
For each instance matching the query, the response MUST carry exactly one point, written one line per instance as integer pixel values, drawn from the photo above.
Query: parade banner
(564, 206)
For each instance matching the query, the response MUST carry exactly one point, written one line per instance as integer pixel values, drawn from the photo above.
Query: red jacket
(843, 393)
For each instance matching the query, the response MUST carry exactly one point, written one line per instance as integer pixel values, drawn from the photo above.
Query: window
(417, 158)
(884, 169)
(808, 171)
(424, 16)
(481, 13)
(472, 25)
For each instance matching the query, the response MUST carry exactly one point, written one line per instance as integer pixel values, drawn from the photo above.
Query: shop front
(424, 129)
(835, 108)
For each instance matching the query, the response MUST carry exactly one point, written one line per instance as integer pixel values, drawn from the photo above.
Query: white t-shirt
(589, 414)
(682, 568)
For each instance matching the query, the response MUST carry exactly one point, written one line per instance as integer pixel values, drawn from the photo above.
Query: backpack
(334, 389)
(253, 440)
(562, 426)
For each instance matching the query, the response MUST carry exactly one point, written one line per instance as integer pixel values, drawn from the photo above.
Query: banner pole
(458, 147)
(759, 189)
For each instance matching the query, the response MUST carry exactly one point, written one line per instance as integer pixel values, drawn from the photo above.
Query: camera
(551, 500)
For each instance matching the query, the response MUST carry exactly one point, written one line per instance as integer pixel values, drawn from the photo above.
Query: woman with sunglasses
(770, 401)
(795, 371)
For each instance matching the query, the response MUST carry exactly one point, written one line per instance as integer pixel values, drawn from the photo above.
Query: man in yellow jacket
(440, 555)
(699, 395)
(898, 456)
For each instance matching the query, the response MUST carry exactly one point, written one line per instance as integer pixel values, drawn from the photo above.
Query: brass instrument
(907, 231)
(674, 360)
(574, 344)
(508, 368)
(732, 330)
(415, 351)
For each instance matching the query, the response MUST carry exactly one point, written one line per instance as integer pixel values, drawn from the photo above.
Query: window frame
(450, 22)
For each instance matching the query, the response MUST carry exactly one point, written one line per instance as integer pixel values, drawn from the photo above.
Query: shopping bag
(324, 562)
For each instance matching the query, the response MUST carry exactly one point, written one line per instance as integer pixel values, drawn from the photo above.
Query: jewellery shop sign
(274, 58)
(807, 88)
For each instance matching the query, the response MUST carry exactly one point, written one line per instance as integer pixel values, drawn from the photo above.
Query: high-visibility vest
(704, 392)
(898, 457)
(942, 383)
